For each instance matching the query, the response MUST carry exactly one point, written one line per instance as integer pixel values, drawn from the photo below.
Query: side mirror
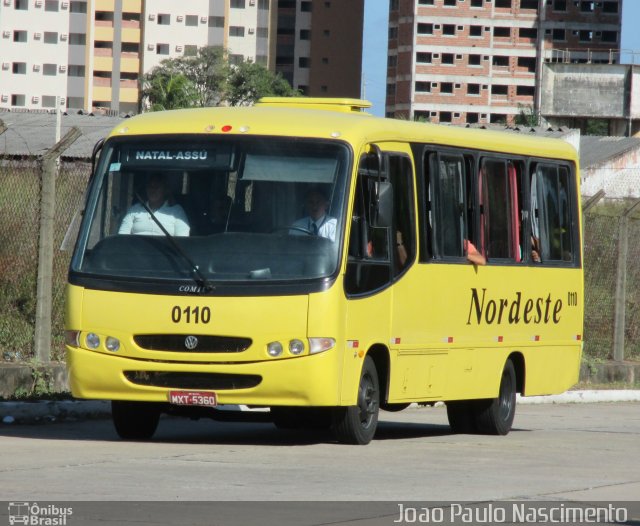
(384, 205)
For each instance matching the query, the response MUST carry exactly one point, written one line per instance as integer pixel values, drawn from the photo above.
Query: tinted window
(449, 216)
(551, 212)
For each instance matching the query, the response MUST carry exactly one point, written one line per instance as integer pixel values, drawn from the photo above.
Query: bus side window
(447, 204)
(501, 209)
(369, 265)
(401, 176)
(551, 212)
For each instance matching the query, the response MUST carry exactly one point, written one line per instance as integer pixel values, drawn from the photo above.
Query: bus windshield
(214, 209)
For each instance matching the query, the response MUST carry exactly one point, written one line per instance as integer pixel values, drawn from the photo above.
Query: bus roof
(331, 118)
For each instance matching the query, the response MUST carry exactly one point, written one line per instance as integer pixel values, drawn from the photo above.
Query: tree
(168, 90)
(207, 79)
(208, 70)
(184, 82)
(248, 81)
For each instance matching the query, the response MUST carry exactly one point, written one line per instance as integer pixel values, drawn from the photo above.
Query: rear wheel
(357, 424)
(135, 420)
(495, 416)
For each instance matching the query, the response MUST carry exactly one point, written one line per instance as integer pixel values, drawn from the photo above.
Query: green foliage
(526, 116)
(597, 127)
(207, 70)
(249, 81)
(189, 81)
(207, 79)
(167, 90)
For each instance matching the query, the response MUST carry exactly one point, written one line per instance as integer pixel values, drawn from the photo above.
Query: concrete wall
(591, 91)
(635, 92)
(619, 177)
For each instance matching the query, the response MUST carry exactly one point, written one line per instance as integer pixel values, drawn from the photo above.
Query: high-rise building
(480, 61)
(319, 46)
(92, 54)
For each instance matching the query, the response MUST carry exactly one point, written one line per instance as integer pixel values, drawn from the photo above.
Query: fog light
(296, 347)
(112, 344)
(317, 345)
(93, 340)
(274, 349)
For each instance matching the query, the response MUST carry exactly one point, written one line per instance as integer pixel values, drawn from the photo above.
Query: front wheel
(495, 416)
(135, 420)
(357, 424)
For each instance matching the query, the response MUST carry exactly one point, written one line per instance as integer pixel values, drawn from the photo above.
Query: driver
(171, 216)
(317, 222)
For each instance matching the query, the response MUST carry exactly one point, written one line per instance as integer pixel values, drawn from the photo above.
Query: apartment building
(92, 54)
(27, 30)
(480, 61)
(319, 46)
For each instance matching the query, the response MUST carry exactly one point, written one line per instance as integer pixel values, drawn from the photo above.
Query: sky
(374, 60)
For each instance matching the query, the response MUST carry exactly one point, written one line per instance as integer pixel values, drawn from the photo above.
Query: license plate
(200, 398)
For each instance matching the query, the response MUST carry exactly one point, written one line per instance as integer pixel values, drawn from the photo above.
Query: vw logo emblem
(191, 342)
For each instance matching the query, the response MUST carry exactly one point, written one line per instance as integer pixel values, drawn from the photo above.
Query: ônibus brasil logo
(36, 515)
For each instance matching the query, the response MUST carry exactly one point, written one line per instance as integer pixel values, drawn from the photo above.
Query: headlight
(112, 344)
(296, 347)
(93, 340)
(317, 345)
(274, 349)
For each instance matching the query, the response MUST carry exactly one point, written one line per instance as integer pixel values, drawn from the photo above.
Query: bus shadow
(183, 431)
(409, 430)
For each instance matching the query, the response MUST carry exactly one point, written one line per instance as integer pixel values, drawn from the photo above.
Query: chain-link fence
(20, 195)
(604, 274)
(19, 218)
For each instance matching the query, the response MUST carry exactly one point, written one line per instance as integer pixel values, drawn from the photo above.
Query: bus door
(417, 369)
(369, 268)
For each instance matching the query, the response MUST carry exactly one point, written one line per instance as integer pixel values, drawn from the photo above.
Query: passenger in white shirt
(317, 222)
(171, 216)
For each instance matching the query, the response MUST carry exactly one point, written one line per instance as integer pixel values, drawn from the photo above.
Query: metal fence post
(42, 337)
(621, 284)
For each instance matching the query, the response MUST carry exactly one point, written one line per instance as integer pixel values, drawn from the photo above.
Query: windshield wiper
(198, 276)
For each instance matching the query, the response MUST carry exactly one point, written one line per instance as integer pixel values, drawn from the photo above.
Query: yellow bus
(304, 256)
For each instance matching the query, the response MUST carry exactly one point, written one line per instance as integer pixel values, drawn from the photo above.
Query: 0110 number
(190, 314)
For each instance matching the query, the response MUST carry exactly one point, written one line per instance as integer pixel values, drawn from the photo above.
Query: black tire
(135, 420)
(301, 417)
(357, 424)
(462, 416)
(495, 416)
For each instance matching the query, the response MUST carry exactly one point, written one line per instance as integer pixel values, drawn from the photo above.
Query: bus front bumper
(310, 380)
